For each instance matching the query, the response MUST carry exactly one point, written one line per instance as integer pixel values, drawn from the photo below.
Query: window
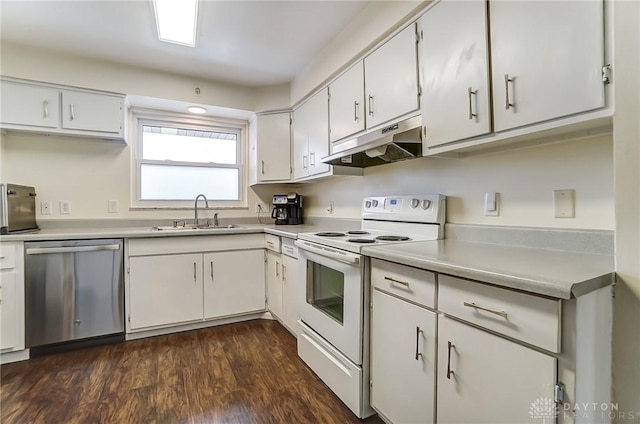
(177, 159)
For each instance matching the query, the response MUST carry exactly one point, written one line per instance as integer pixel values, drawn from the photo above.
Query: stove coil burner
(361, 240)
(392, 238)
(358, 232)
(330, 234)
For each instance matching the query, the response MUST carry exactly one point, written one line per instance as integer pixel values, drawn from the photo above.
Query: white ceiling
(252, 43)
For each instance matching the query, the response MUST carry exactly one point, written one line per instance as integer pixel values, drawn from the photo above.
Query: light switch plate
(45, 208)
(564, 203)
(491, 204)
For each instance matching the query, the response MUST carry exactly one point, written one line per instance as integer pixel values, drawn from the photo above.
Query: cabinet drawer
(272, 242)
(412, 284)
(7, 257)
(289, 248)
(529, 318)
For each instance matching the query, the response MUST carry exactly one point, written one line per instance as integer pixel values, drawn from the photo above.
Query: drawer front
(529, 318)
(289, 248)
(272, 242)
(7, 257)
(412, 284)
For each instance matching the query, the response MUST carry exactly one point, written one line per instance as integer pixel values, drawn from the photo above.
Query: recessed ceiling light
(176, 21)
(197, 109)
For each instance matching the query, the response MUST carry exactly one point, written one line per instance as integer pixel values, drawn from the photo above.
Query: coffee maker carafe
(287, 209)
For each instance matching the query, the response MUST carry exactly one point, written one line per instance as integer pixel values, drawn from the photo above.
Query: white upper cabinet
(391, 78)
(547, 59)
(44, 108)
(346, 103)
(311, 136)
(92, 112)
(29, 105)
(454, 69)
(273, 145)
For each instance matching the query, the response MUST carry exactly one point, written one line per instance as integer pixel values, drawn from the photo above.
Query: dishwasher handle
(71, 249)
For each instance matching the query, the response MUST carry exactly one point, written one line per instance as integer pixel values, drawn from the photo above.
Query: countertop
(553, 273)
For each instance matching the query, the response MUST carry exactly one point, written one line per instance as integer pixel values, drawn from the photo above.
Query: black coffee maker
(287, 209)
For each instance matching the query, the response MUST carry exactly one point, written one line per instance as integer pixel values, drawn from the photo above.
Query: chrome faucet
(195, 207)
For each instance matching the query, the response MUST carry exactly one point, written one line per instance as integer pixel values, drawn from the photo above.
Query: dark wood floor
(238, 373)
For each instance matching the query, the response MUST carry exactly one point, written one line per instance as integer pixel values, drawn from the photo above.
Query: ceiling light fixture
(197, 109)
(176, 21)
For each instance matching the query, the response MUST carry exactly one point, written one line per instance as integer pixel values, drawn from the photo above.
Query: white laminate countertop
(553, 273)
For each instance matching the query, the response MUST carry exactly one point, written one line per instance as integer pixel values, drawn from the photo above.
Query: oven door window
(325, 290)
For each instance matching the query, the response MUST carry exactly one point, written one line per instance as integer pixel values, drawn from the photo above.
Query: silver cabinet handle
(284, 273)
(507, 102)
(304, 161)
(312, 155)
(45, 106)
(370, 105)
(503, 314)
(72, 109)
(211, 271)
(449, 370)
(46, 250)
(393, 280)
(195, 277)
(277, 266)
(262, 167)
(471, 93)
(356, 109)
(418, 354)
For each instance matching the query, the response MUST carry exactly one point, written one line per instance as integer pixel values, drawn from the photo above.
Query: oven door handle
(338, 255)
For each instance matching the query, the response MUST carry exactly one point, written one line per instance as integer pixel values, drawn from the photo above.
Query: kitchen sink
(194, 227)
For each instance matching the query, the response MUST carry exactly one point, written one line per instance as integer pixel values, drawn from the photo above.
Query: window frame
(141, 117)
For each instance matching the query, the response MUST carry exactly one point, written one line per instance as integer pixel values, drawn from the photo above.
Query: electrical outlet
(65, 207)
(261, 207)
(113, 206)
(564, 203)
(45, 208)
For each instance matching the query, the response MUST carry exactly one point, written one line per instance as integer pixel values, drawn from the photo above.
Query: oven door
(333, 301)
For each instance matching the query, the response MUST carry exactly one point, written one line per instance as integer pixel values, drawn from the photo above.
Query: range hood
(393, 143)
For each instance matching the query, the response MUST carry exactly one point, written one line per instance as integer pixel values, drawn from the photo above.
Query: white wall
(374, 22)
(524, 178)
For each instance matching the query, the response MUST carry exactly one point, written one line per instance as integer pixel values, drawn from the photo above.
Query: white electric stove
(334, 322)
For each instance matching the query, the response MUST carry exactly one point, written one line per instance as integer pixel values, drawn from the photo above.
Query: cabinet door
(300, 143)
(274, 283)
(403, 349)
(454, 68)
(318, 128)
(29, 105)
(492, 380)
(91, 112)
(274, 147)
(165, 290)
(346, 103)
(234, 283)
(293, 279)
(391, 79)
(545, 74)
(8, 313)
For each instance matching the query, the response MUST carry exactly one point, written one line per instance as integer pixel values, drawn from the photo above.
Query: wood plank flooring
(239, 373)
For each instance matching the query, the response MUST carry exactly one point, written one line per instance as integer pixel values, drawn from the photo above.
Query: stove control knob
(367, 204)
(426, 204)
(414, 203)
(374, 203)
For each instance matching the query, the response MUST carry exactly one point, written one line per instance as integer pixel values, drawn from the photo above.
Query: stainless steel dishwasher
(74, 290)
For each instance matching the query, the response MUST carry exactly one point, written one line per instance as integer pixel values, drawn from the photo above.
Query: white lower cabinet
(186, 280)
(274, 283)
(165, 289)
(483, 378)
(403, 352)
(11, 298)
(233, 283)
(284, 283)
